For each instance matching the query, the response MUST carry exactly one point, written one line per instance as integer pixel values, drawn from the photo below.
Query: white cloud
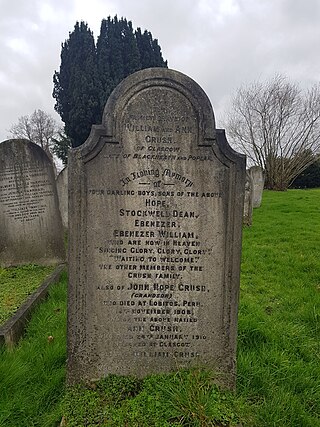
(220, 43)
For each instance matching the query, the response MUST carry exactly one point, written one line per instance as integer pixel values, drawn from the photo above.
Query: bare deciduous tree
(277, 125)
(39, 128)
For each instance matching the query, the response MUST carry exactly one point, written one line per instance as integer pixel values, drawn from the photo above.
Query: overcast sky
(221, 44)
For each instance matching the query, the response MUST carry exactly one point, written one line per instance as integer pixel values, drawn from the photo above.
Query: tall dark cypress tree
(104, 54)
(150, 51)
(130, 51)
(157, 55)
(145, 48)
(76, 85)
(117, 54)
(116, 59)
(87, 75)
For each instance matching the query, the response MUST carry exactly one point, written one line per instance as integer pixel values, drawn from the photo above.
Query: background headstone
(154, 245)
(62, 189)
(248, 208)
(257, 176)
(30, 223)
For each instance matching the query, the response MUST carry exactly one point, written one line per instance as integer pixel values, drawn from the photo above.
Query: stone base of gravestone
(30, 222)
(156, 195)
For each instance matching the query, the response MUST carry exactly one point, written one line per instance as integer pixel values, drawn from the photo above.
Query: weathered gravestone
(30, 223)
(248, 208)
(157, 201)
(257, 176)
(62, 189)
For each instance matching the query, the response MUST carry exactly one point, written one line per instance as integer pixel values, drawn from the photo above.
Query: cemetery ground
(278, 346)
(16, 284)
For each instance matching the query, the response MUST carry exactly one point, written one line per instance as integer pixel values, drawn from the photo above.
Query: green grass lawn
(279, 330)
(16, 284)
(278, 349)
(32, 376)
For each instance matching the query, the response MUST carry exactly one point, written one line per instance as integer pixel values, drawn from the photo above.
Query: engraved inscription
(161, 254)
(154, 259)
(23, 192)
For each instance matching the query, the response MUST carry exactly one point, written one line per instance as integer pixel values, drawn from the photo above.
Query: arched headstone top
(160, 102)
(159, 81)
(16, 146)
